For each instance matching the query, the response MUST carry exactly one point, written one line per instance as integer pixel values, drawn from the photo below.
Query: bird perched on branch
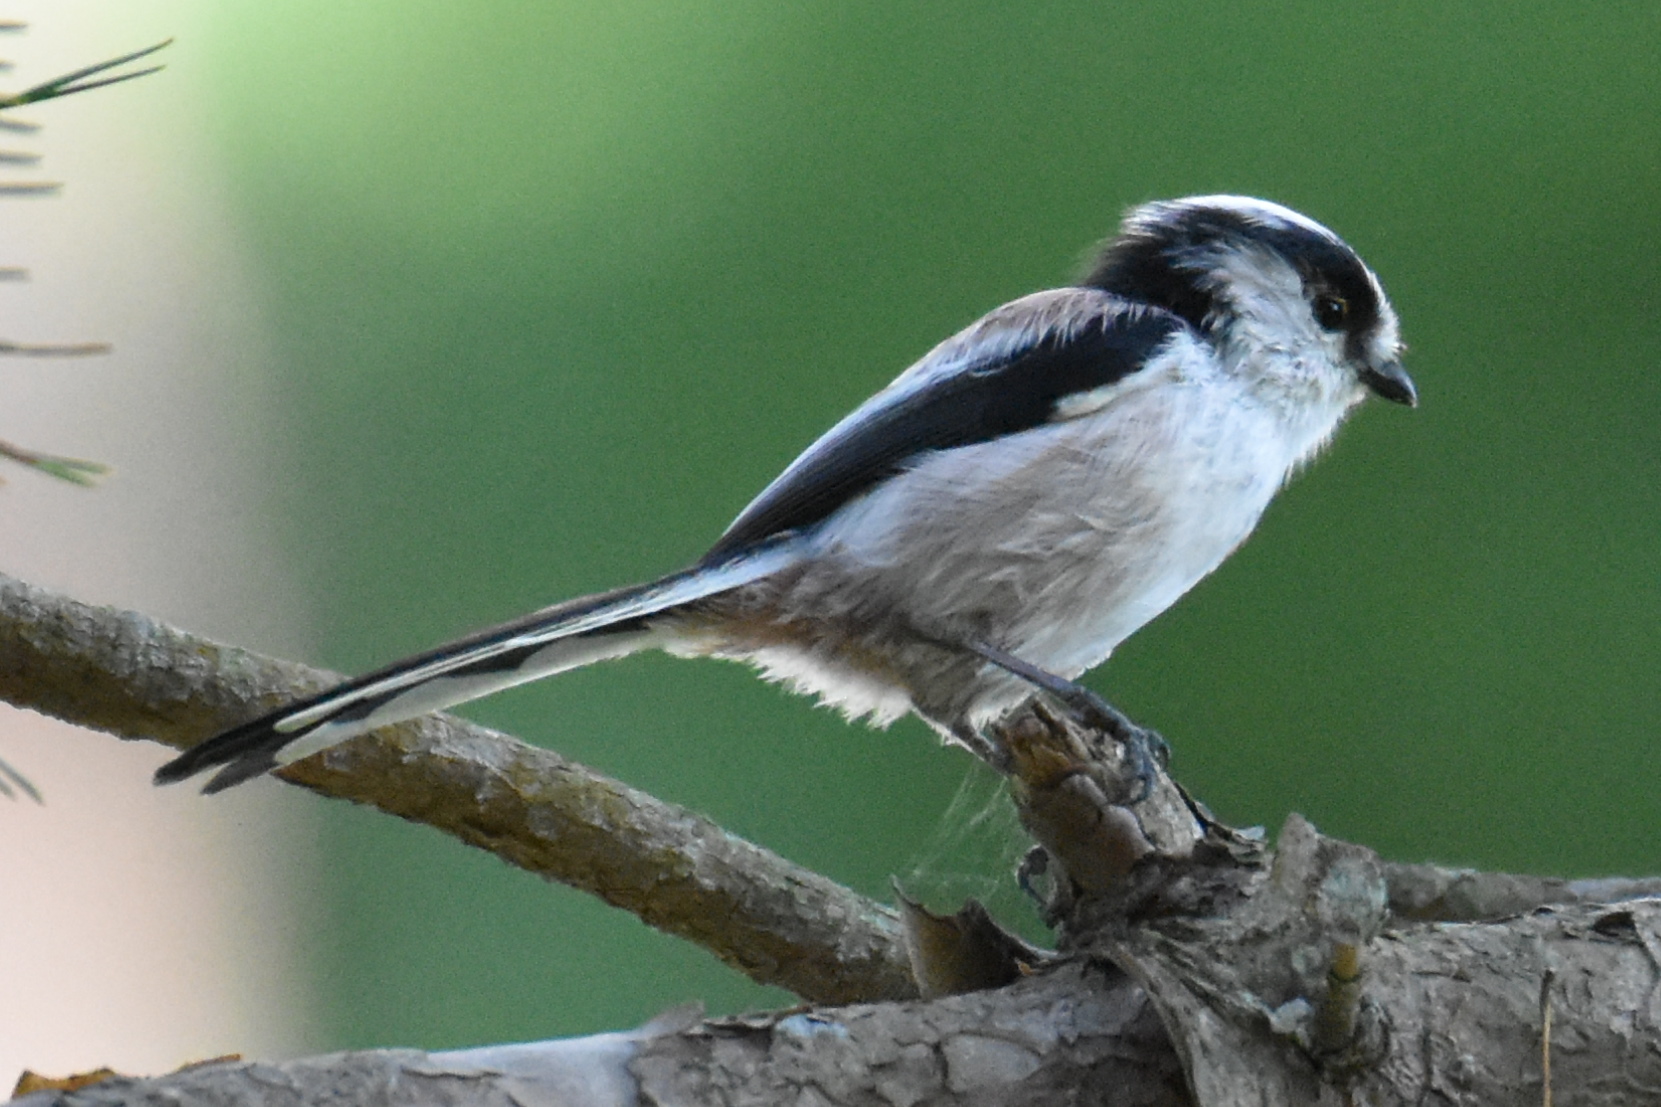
(995, 521)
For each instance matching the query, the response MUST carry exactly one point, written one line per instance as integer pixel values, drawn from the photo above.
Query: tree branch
(1433, 893)
(123, 672)
(1083, 1034)
(1441, 1014)
(1305, 977)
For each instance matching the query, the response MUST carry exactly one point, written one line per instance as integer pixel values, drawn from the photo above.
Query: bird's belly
(1055, 544)
(1059, 546)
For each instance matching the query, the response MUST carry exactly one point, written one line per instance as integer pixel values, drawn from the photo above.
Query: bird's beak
(1391, 381)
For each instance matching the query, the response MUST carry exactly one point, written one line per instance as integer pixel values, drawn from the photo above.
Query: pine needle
(84, 79)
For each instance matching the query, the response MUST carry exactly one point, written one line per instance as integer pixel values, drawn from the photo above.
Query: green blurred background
(559, 286)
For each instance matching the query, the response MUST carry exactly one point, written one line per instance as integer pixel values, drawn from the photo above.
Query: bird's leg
(1148, 752)
(987, 749)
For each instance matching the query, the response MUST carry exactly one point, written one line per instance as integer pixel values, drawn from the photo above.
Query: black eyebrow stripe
(1157, 264)
(977, 403)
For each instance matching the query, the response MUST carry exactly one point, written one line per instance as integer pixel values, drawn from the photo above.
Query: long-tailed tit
(996, 520)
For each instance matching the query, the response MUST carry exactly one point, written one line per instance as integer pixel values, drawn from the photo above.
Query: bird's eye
(1331, 311)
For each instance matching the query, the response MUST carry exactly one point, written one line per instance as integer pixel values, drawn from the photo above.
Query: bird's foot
(1147, 752)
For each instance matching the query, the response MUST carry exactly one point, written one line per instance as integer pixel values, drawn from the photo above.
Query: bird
(994, 522)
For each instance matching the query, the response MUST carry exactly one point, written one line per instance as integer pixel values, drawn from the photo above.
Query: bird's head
(1253, 276)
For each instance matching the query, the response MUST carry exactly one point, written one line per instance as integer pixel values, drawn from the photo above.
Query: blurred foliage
(561, 285)
(71, 469)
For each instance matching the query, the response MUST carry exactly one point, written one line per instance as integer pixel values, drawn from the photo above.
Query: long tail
(553, 640)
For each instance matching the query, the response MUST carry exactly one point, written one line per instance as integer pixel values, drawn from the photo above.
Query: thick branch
(1447, 1014)
(1432, 893)
(1080, 1035)
(125, 673)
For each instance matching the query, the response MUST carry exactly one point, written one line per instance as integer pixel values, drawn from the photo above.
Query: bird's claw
(1147, 753)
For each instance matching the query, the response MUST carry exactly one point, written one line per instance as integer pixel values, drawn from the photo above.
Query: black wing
(1003, 375)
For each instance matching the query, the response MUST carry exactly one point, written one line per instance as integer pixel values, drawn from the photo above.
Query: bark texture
(1194, 965)
(1085, 1035)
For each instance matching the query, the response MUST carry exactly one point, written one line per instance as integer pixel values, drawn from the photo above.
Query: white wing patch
(1168, 366)
(1080, 404)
